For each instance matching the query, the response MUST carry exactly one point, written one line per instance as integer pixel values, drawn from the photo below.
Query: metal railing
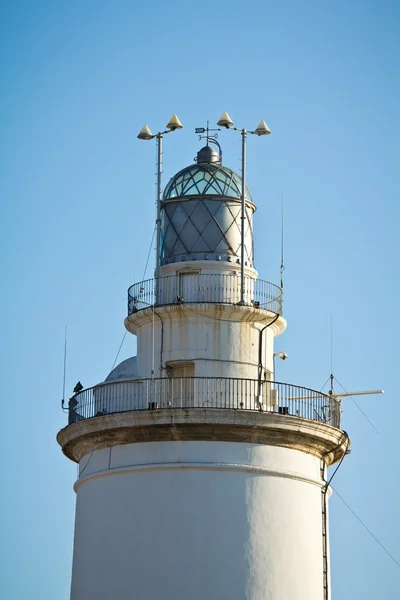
(205, 392)
(216, 288)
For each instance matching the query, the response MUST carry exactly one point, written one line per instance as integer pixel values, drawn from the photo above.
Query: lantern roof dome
(207, 178)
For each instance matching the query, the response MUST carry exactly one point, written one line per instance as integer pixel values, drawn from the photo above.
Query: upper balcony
(218, 288)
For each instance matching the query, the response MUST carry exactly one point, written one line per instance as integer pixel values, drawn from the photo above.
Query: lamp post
(145, 134)
(262, 129)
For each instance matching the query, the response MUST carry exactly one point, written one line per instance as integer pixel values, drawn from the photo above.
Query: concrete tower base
(196, 518)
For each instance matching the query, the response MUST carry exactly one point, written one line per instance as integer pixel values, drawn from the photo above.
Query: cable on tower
(144, 275)
(91, 453)
(282, 268)
(65, 367)
(119, 349)
(322, 387)
(359, 407)
(148, 256)
(340, 462)
(324, 510)
(366, 528)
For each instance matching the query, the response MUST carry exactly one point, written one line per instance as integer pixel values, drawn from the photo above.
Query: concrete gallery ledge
(194, 424)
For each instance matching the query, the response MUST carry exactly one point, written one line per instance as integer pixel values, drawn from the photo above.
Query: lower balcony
(205, 393)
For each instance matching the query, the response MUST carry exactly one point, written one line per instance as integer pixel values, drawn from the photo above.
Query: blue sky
(77, 214)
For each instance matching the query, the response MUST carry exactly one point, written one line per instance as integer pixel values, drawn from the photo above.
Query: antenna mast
(331, 375)
(65, 366)
(282, 246)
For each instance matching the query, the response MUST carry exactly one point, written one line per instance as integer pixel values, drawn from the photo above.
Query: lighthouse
(200, 475)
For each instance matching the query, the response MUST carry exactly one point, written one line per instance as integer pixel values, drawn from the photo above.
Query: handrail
(205, 392)
(215, 288)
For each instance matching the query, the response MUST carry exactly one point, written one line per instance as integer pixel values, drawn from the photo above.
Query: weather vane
(209, 137)
(206, 130)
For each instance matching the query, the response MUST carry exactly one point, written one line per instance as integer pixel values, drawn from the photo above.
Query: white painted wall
(206, 334)
(215, 520)
(222, 339)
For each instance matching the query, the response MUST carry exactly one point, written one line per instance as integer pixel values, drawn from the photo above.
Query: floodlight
(174, 123)
(225, 121)
(262, 129)
(145, 133)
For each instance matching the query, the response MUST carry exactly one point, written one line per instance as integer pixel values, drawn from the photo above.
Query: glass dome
(204, 180)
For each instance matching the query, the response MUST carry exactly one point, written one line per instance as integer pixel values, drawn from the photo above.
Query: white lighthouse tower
(200, 477)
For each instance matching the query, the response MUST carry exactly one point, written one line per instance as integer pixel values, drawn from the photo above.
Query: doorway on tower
(269, 396)
(181, 385)
(189, 287)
